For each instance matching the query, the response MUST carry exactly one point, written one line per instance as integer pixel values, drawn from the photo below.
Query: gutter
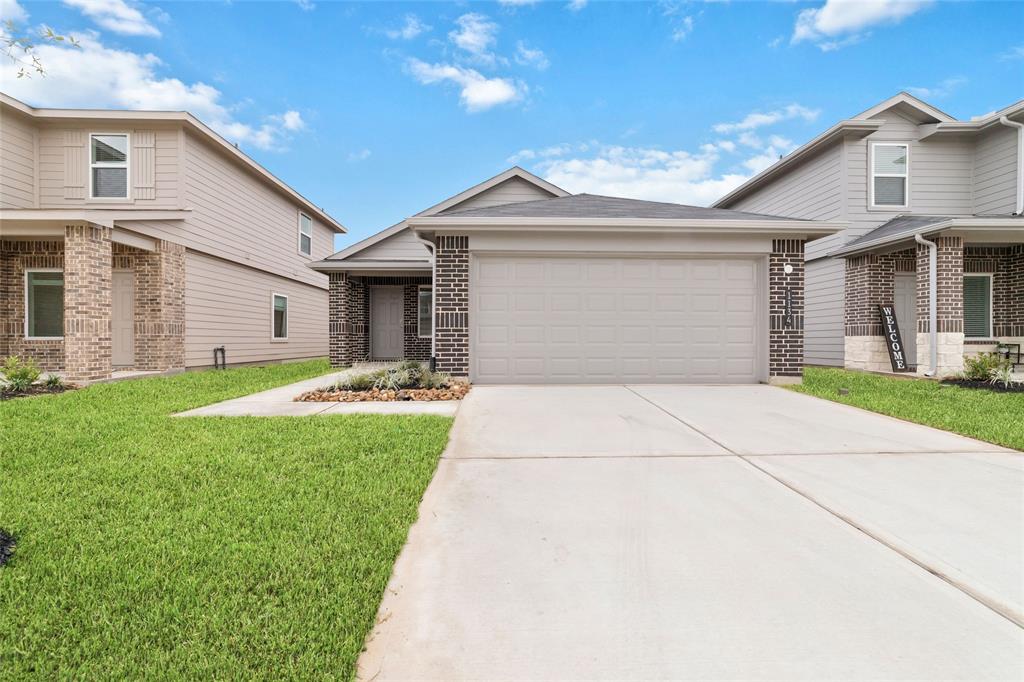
(433, 297)
(1020, 161)
(933, 335)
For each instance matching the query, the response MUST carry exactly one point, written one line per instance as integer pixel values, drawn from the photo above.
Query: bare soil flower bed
(37, 389)
(335, 395)
(998, 387)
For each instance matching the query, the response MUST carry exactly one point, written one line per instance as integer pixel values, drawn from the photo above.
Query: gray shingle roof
(904, 224)
(596, 206)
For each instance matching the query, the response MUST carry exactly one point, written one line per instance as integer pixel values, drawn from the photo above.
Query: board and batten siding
(511, 191)
(814, 191)
(995, 171)
(17, 161)
(230, 305)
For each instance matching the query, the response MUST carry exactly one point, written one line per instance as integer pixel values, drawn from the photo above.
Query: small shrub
(54, 382)
(357, 382)
(20, 375)
(435, 380)
(1003, 375)
(983, 366)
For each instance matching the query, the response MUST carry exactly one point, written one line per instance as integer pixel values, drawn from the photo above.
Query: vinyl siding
(17, 161)
(823, 312)
(995, 171)
(402, 245)
(813, 191)
(509, 192)
(229, 305)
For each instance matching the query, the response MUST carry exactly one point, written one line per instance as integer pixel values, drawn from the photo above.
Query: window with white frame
(280, 317)
(425, 312)
(305, 234)
(978, 306)
(889, 174)
(44, 304)
(108, 166)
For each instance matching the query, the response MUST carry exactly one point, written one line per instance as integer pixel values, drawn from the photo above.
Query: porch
(979, 300)
(89, 301)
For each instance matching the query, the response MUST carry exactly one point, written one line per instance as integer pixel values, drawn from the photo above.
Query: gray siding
(813, 191)
(17, 161)
(995, 171)
(229, 305)
(823, 312)
(509, 192)
(402, 245)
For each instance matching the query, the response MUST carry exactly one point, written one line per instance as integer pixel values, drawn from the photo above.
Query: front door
(386, 323)
(123, 319)
(906, 314)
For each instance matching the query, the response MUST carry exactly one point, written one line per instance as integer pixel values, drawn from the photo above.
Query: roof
(904, 227)
(190, 122)
(597, 206)
(862, 124)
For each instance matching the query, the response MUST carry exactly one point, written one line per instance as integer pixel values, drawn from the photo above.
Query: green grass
(986, 415)
(201, 548)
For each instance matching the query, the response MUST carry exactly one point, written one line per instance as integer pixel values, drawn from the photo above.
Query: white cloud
(410, 28)
(755, 119)
(10, 10)
(476, 91)
(527, 56)
(361, 155)
(839, 23)
(517, 3)
(545, 152)
(306, 5)
(943, 89)
(576, 5)
(120, 79)
(682, 29)
(727, 145)
(1016, 52)
(476, 35)
(115, 15)
(680, 22)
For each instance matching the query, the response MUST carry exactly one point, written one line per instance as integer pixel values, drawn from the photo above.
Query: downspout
(433, 298)
(933, 335)
(1020, 161)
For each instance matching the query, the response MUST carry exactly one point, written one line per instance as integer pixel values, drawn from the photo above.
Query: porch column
(87, 302)
(869, 282)
(349, 319)
(451, 318)
(949, 307)
(160, 308)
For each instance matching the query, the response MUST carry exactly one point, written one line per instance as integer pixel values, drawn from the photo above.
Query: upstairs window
(305, 234)
(978, 306)
(280, 318)
(44, 304)
(889, 175)
(108, 166)
(425, 313)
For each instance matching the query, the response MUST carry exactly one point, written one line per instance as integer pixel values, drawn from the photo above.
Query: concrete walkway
(280, 402)
(667, 532)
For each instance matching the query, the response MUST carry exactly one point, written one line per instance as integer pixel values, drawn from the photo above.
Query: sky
(378, 110)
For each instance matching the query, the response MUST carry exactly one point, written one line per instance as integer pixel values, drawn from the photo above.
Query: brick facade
(950, 285)
(415, 347)
(87, 298)
(870, 281)
(451, 318)
(1006, 265)
(159, 322)
(786, 338)
(15, 258)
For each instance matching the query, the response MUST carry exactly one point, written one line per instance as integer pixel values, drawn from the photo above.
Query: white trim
(991, 304)
(419, 330)
(303, 214)
(464, 225)
(909, 100)
(127, 167)
(872, 175)
(287, 322)
(25, 322)
(480, 188)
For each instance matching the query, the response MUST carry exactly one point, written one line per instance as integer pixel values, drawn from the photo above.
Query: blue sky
(378, 110)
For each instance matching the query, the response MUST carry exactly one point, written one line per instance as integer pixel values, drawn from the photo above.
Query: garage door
(614, 320)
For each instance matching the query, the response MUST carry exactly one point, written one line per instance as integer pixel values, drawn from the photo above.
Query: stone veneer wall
(870, 282)
(451, 318)
(87, 299)
(786, 344)
(15, 258)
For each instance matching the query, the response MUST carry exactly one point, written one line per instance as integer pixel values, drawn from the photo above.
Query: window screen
(305, 234)
(280, 317)
(889, 174)
(977, 306)
(109, 166)
(45, 304)
(425, 312)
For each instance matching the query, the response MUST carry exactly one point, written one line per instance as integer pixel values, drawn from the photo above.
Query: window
(889, 175)
(425, 312)
(305, 234)
(280, 312)
(44, 304)
(108, 166)
(978, 306)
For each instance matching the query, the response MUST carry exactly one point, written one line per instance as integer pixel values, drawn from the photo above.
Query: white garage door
(614, 320)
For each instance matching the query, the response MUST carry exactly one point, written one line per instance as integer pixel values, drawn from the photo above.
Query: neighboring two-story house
(138, 240)
(932, 213)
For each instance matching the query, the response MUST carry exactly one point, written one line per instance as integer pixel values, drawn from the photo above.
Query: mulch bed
(1015, 387)
(333, 395)
(35, 390)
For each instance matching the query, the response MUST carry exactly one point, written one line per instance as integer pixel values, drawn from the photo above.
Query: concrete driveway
(670, 532)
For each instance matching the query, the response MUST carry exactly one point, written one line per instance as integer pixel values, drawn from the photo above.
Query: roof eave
(330, 265)
(965, 224)
(633, 225)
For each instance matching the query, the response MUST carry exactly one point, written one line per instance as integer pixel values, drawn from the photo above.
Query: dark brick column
(950, 280)
(87, 302)
(349, 319)
(451, 318)
(786, 339)
(869, 282)
(414, 347)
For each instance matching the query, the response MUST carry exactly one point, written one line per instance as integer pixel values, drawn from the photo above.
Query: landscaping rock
(456, 391)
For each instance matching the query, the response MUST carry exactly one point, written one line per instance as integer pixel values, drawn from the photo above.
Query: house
(517, 281)
(141, 240)
(933, 213)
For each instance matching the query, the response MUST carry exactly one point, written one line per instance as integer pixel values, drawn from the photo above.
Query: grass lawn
(201, 548)
(986, 415)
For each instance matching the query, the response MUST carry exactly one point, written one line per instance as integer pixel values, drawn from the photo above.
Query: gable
(513, 190)
(402, 245)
